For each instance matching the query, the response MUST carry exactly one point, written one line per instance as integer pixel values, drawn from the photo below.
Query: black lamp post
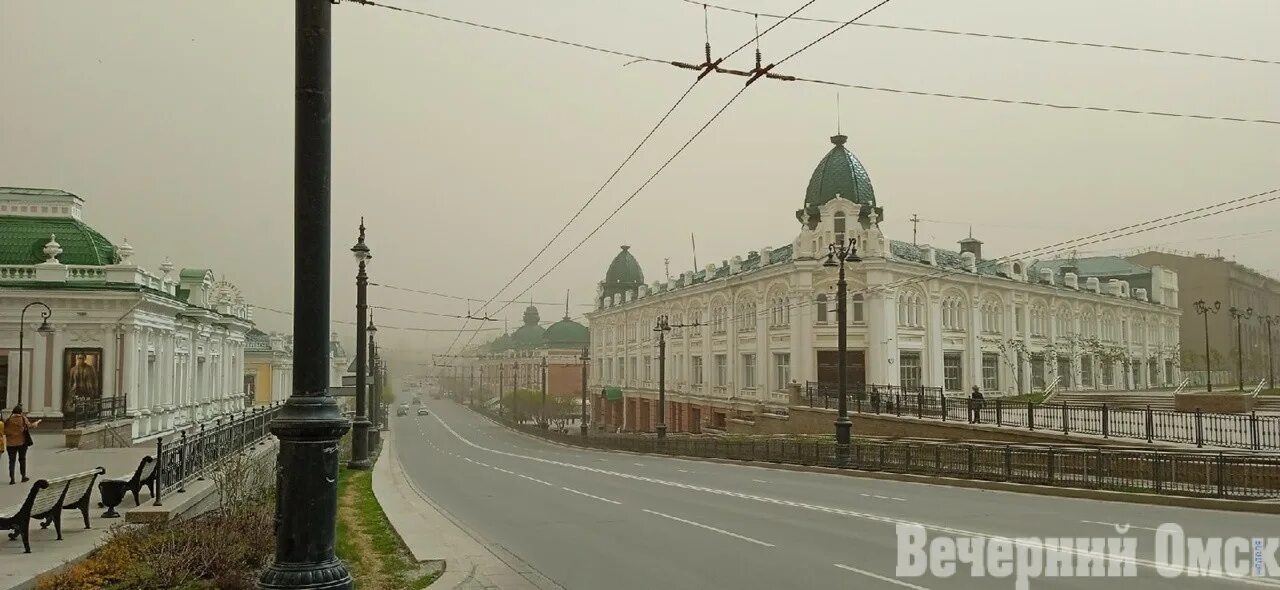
(501, 383)
(371, 398)
(662, 327)
(309, 424)
(515, 386)
(360, 426)
(582, 424)
(43, 330)
(837, 256)
(1271, 372)
(1204, 309)
(1239, 315)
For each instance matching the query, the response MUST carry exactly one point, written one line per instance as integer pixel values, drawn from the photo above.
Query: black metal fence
(194, 451)
(1238, 431)
(87, 412)
(1227, 474)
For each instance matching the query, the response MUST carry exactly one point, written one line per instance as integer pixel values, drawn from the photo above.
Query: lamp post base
(843, 429)
(583, 428)
(662, 430)
(359, 444)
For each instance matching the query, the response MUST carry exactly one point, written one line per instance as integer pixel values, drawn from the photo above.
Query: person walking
(17, 439)
(976, 401)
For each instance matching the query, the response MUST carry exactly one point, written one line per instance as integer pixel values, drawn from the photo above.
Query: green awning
(612, 393)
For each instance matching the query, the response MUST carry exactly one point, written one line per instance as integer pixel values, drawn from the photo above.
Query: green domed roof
(530, 334)
(500, 344)
(839, 173)
(22, 241)
(624, 270)
(566, 333)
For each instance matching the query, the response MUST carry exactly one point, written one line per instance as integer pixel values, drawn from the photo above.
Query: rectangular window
(648, 368)
(748, 370)
(1168, 372)
(909, 369)
(1037, 372)
(1086, 371)
(951, 372)
(1064, 373)
(856, 309)
(1108, 374)
(990, 371)
(722, 370)
(695, 365)
(622, 370)
(1017, 319)
(782, 370)
(635, 375)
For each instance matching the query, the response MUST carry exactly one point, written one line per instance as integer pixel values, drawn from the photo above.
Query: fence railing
(1236, 431)
(87, 412)
(195, 451)
(1227, 474)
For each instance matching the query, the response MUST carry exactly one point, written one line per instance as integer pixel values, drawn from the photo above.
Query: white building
(159, 349)
(918, 316)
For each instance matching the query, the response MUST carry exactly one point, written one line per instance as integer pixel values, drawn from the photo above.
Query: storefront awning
(612, 393)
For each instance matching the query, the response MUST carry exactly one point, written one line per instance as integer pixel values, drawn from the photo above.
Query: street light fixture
(43, 330)
(1238, 315)
(1204, 309)
(542, 413)
(360, 425)
(582, 423)
(837, 256)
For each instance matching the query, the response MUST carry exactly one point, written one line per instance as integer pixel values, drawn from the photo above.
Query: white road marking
(879, 577)
(1118, 525)
(545, 483)
(638, 464)
(759, 481)
(841, 511)
(710, 528)
(591, 496)
(684, 471)
(508, 472)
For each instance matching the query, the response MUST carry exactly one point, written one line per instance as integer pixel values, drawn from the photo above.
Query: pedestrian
(17, 438)
(975, 406)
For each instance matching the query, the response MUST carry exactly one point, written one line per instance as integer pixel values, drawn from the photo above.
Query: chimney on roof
(970, 244)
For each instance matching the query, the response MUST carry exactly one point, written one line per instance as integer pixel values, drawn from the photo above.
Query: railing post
(159, 470)
(1199, 429)
(969, 461)
(999, 412)
(1157, 482)
(942, 397)
(897, 404)
(203, 442)
(920, 403)
(1008, 463)
(1106, 422)
(1031, 416)
(1099, 469)
(1222, 472)
(182, 464)
(1049, 465)
(1066, 420)
(1150, 423)
(1253, 430)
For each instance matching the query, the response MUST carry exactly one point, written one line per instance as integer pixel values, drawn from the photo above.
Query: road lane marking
(1120, 526)
(759, 481)
(955, 531)
(684, 471)
(638, 464)
(545, 483)
(591, 496)
(710, 528)
(879, 577)
(506, 471)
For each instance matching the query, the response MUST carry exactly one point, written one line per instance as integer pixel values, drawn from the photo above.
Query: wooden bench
(113, 489)
(46, 501)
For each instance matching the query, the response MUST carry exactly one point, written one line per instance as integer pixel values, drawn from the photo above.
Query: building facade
(747, 328)
(268, 366)
(1215, 279)
(167, 347)
(516, 359)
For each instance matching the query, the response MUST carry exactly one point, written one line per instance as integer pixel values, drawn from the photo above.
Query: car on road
(402, 410)
(423, 412)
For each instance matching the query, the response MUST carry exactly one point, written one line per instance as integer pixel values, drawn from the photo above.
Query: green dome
(22, 241)
(530, 334)
(566, 333)
(624, 270)
(500, 344)
(839, 173)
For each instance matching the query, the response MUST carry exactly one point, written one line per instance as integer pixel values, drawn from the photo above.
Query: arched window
(822, 308)
(838, 222)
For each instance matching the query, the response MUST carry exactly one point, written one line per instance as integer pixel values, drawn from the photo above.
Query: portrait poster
(81, 377)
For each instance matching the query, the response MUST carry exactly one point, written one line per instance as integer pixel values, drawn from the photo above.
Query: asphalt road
(602, 520)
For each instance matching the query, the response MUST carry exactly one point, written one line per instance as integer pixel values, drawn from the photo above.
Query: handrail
(1258, 388)
(1181, 386)
(1051, 389)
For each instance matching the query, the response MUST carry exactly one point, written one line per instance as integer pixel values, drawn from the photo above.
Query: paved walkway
(432, 535)
(47, 459)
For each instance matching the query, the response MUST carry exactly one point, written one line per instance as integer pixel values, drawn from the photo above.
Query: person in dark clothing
(975, 405)
(17, 437)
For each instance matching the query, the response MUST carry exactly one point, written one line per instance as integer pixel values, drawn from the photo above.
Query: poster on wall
(81, 378)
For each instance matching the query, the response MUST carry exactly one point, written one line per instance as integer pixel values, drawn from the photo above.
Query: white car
(423, 412)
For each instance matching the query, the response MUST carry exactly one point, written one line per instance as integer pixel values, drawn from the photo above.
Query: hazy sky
(465, 149)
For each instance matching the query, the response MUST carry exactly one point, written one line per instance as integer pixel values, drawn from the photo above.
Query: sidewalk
(432, 535)
(48, 459)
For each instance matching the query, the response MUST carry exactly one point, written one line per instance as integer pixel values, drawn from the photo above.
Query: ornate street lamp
(582, 424)
(1271, 355)
(1238, 315)
(837, 256)
(1204, 309)
(43, 330)
(360, 426)
(543, 412)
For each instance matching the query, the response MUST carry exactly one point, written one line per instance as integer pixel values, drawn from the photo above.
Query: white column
(109, 360)
(58, 339)
(708, 362)
(803, 369)
(933, 343)
(882, 338)
(973, 376)
(128, 382)
(763, 359)
(1026, 345)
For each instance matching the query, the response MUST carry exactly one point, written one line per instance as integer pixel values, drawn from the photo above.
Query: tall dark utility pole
(837, 256)
(582, 425)
(515, 385)
(543, 412)
(471, 389)
(360, 426)
(309, 424)
(662, 327)
(1238, 315)
(1204, 309)
(501, 382)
